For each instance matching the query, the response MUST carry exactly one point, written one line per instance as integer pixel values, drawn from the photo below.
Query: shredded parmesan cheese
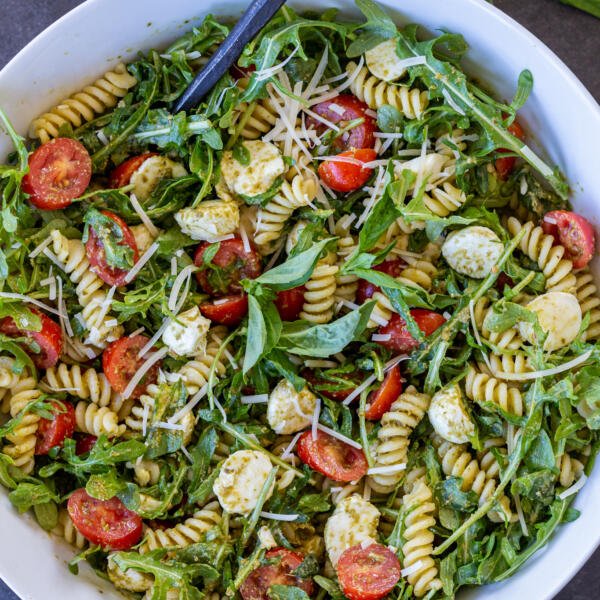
(574, 488)
(190, 405)
(13, 296)
(255, 399)
(278, 516)
(141, 262)
(545, 372)
(144, 218)
(339, 436)
(315, 419)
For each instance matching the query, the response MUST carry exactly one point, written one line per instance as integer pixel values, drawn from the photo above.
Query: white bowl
(561, 115)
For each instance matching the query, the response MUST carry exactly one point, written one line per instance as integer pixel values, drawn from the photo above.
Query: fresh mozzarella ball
(427, 167)
(241, 480)
(290, 411)
(294, 235)
(143, 237)
(353, 522)
(383, 61)
(472, 251)
(188, 336)
(448, 416)
(266, 165)
(131, 579)
(210, 220)
(559, 315)
(150, 174)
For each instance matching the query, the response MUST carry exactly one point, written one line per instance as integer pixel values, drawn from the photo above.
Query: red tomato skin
(231, 254)
(229, 313)
(49, 338)
(85, 443)
(368, 573)
(97, 257)
(574, 232)
(53, 432)
(505, 165)
(344, 176)
(120, 362)
(402, 341)
(337, 395)
(256, 585)
(332, 457)
(380, 400)
(366, 289)
(361, 136)
(105, 522)
(121, 175)
(59, 171)
(289, 303)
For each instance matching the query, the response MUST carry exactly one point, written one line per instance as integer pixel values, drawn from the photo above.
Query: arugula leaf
(586, 384)
(287, 592)
(117, 252)
(378, 28)
(451, 495)
(505, 315)
(201, 455)
(263, 198)
(46, 515)
(31, 493)
(105, 486)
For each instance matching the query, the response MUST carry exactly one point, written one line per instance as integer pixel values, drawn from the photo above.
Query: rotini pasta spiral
(445, 143)
(539, 247)
(382, 311)
(502, 364)
(443, 200)
(375, 92)
(346, 285)
(319, 297)
(146, 472)
(23, 439)
(570, 469)
(420, 272)
(87, 385)
(419, 510)
(91, 418)
(393, 440)
(339, 492)
(259, 118)
(505, 340)
(66, 529)
(191, 531)
(271, 218)
(302, 163)
(142, 411)
(482, 387)
(457, 461)
(589, 300)
(8, 380)
(85, 105)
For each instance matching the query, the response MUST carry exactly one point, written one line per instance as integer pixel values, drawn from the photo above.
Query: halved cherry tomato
(279, 571)
(346, 176)
(49, 339)
(380, 400)
(121, 175)
(360, 136)
(238, 72)
(506, 164)
(229, 310)
(368, 573)
(229, 265)
(108, 523)
(332, 457)
(574, 232)
(289, 303)
(366, 289)
(120, 362)
(503, 281)
(401, 340)
(53, 432)
(59, 171)
(321, 385)
(85, 443)
(94, 248)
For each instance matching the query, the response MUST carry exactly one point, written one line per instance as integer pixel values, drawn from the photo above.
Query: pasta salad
(331, 334)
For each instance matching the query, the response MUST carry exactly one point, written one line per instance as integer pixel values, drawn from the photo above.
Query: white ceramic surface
(561, 115)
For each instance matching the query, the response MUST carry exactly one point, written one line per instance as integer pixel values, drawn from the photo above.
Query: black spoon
(257, 15)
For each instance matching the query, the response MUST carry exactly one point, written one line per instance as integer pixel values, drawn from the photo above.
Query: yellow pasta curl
(319, 297)
(589, 300)
(505, 340)
(570, 469)
(482, 387)
(346, 245)
(87, 384)
(90, 418)
(445, 199)
(66, 529)
(258, 118)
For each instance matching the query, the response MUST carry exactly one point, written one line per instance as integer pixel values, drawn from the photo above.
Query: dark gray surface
(573, 35)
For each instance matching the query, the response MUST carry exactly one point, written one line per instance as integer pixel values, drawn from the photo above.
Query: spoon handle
(257, 15)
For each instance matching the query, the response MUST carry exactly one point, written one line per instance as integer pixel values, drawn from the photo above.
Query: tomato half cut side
(380, 400)
(121, 175)
(49, 339)
(344, 173)
(120, 362)
(278, 570)
(108, 523)
(332, 457)
(368, 573)
(341, 110)
(231, 263)
(289, 303)
(96, 253)
(505, 164)
(401, 340)
(59, 171)
(53, 432)
(366, 289)
(229, 310)
(574, 232)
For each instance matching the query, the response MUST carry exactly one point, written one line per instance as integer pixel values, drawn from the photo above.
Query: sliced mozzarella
(150, 174)
(384, 62)
(257, 177)
(210, 220)
(290, 411)
(472, 251)
(449, 417)
(559, 315)
(188, 337)
(354, 521)
(241, 479)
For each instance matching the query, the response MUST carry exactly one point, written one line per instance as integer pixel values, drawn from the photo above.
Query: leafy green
(286, 592)
(109, 233)
(378, 28)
